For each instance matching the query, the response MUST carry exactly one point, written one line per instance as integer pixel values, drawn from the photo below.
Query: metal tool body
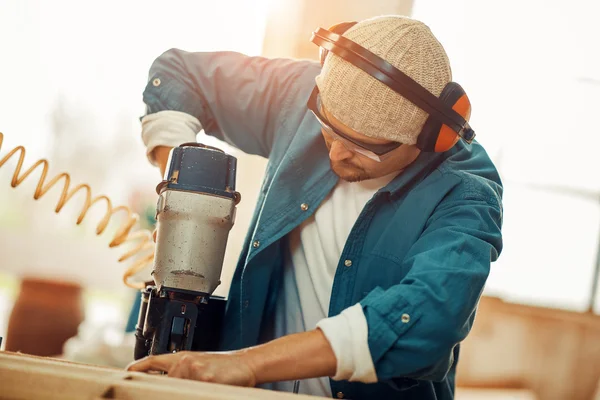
(195, 212)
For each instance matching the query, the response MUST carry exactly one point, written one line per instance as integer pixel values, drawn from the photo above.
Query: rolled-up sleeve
(236, 98)
(415, 325)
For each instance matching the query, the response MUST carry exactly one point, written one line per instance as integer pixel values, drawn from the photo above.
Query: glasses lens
(349, 145)
(367, 153)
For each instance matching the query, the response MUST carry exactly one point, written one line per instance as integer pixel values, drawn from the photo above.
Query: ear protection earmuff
(448, 115)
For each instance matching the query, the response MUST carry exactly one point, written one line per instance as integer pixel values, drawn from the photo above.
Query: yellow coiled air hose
(142, 237)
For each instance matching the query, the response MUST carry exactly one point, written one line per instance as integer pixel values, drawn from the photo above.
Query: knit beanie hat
(366, 105)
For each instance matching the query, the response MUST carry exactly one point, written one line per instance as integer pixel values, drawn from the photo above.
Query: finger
(154, 236)
(153, 363)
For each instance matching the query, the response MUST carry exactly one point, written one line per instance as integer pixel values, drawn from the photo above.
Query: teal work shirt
(420, 250)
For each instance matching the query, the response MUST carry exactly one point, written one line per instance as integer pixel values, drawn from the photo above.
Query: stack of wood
(27, 377)
(31, 377)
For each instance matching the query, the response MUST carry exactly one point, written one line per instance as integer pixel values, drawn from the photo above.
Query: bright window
(92, 60)
(532, 71)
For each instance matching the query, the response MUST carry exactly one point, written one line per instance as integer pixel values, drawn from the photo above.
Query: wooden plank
(494, 394)
(26, 377)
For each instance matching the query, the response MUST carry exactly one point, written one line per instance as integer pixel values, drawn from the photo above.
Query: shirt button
(304, 206)
(405, 318)
(156, 82)
(348, 263)
(246, 304)
(256, 244)
(339, 395)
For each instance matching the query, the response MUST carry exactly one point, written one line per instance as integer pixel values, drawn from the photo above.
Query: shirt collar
(419, 169)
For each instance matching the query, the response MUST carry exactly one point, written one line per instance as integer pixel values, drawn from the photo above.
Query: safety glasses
(375, 152)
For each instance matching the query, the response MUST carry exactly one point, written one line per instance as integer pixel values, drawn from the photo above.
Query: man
(360, 265)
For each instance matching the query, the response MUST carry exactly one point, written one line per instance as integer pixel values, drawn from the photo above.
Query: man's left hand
(228, 368)
(298, 356)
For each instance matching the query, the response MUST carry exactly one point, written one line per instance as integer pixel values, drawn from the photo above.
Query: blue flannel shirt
(421, 248)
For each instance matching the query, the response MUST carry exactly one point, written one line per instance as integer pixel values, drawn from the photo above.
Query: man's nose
(339, 152)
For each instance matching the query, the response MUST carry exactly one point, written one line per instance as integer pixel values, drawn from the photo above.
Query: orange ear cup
(447, 137)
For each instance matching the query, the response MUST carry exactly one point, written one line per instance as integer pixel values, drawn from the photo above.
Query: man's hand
(161, 155)
(299, 356)
(227, 368)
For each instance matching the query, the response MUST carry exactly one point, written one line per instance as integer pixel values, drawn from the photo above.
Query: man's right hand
(161, 155)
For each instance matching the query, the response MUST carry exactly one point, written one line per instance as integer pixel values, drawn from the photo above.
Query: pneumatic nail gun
(195, 212)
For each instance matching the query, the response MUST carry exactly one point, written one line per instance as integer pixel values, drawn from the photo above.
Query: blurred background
(71, 80)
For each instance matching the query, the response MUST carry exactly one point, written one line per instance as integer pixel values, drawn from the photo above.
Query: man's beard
(349, 172)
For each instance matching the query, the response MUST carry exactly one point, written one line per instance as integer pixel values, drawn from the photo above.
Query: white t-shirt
(303, 301)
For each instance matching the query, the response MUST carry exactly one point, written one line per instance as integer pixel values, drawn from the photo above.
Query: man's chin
(349, 174)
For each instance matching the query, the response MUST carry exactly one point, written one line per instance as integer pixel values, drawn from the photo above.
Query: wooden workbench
(29, 377)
